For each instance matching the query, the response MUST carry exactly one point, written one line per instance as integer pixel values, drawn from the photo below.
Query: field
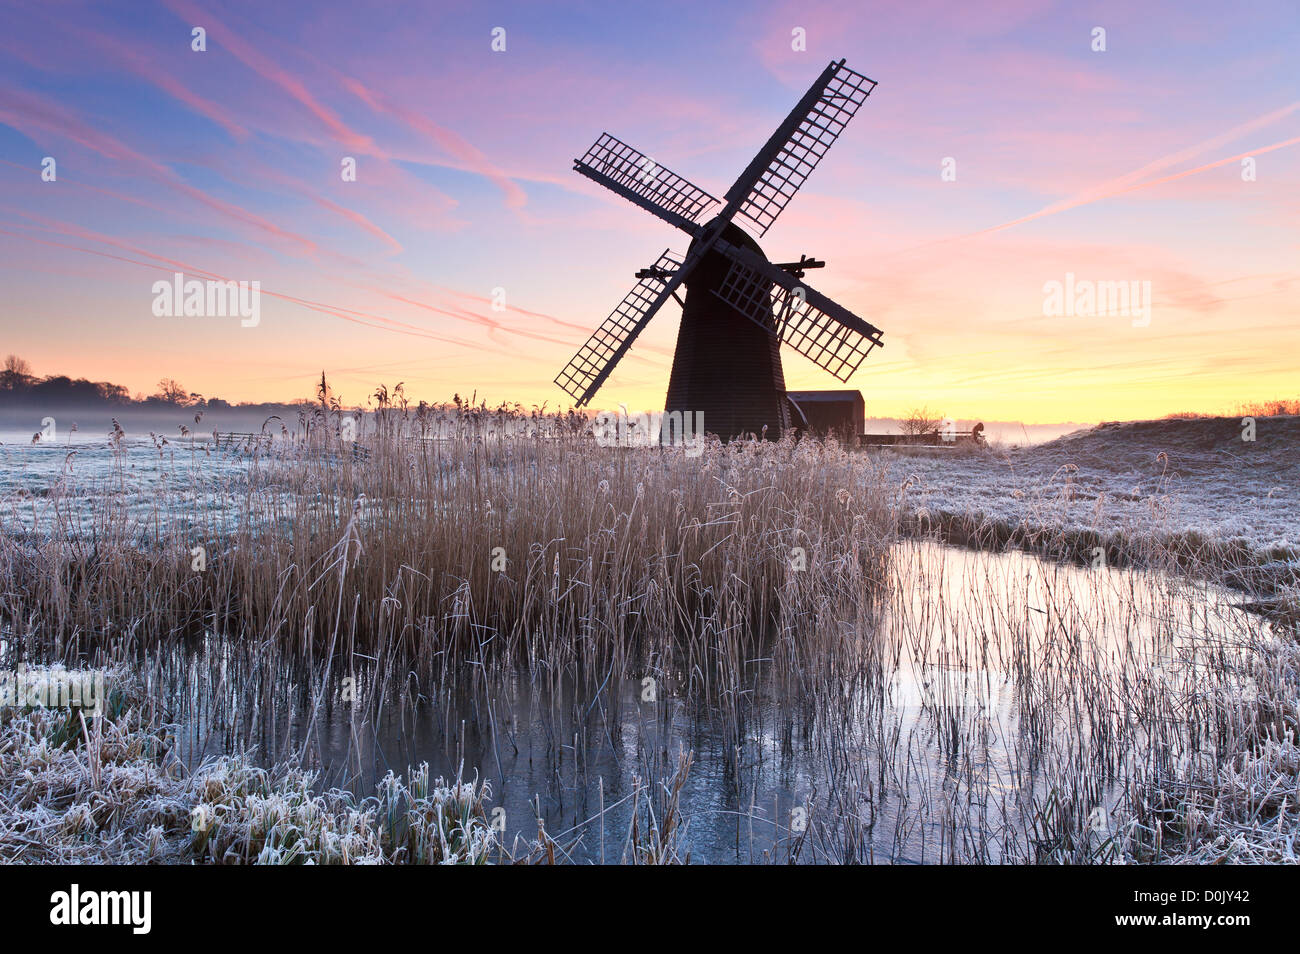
(485, 638)
(1183, 483)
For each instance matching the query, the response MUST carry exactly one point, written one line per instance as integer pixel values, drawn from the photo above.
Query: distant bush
(920, 420)
(1275, 408)
(1278, 407)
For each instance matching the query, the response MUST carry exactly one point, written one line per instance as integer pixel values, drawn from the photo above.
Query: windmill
(739, 307)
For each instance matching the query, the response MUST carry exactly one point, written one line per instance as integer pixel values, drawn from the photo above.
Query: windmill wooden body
(739, 307)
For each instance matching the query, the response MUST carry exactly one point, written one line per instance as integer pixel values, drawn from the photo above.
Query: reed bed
(508, 542)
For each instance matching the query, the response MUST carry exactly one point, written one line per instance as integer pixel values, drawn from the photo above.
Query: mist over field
(18, 426)
(94, 422)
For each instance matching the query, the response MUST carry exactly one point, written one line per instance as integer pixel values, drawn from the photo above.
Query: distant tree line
(18, 385)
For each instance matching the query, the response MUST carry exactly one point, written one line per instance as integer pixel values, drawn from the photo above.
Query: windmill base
(726, 367)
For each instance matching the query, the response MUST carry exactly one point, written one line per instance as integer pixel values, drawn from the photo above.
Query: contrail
(1095, 196)
(1126, 183)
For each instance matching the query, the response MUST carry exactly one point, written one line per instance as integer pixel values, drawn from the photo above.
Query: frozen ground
(154, 479)
(1194, 479)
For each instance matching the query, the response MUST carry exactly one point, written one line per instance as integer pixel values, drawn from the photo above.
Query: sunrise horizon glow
(1002, 154)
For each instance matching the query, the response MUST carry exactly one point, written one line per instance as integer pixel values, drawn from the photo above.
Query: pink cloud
(167, 82)
(28, 111)
(453, 143)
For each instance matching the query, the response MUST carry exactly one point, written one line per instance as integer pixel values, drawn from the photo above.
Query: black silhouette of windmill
(739, 307)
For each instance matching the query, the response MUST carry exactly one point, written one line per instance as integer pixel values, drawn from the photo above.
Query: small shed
(840, 414)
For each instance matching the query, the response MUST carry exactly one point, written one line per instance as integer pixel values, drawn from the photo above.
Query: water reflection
(987, 686)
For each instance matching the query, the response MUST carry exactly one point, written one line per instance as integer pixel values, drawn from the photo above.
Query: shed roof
(844, 395)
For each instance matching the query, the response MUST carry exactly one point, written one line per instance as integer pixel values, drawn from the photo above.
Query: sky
(1002, 151)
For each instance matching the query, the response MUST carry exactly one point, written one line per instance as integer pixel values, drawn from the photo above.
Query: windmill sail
(829, 335)
(587, 371)
(638, 178)
(790, 156)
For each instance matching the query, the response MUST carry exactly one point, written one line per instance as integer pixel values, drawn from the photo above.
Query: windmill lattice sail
(790, 156)
(829, 335)
(638, 178)
(585, 373)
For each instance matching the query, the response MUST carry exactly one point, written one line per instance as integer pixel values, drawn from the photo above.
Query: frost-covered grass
(106, 790)
(72, 487)
(1192, 490)
(1237, 802)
